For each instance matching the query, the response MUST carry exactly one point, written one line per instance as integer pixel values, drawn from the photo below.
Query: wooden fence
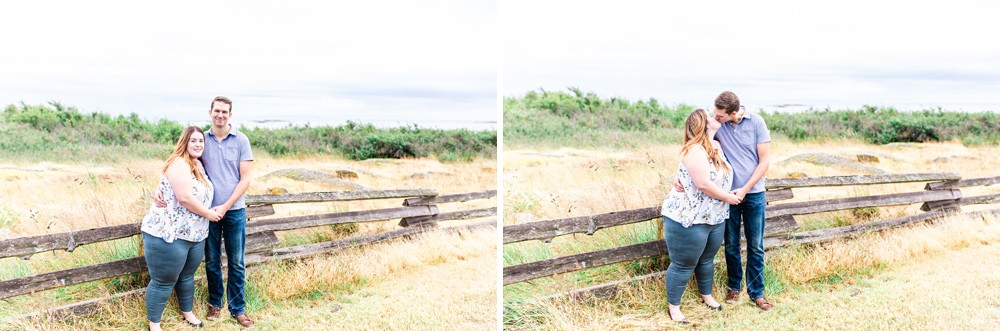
(941, 197)
(418, 214)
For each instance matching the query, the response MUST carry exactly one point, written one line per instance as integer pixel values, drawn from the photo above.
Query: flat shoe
(715, 308)
(199, 325)
(680, 322)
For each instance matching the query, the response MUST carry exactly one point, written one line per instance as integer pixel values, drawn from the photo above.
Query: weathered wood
(93, 305)
(780, 225)
(50, 280)
(298, 222)
(259, 211)
(980, 199)
(258, 241)
(811, 207)
(68, 241)
(583, 224)
(778, 183)
(450, 198)
(985, 181)
(939, 205)
(336, 196)
(777, 195)
(456, 215)
(528, 271)
(605, 290)
(823, 235)
(334, 245)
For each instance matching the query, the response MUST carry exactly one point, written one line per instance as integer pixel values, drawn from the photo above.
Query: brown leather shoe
(213, 313)
(244, 320)
(762, 304)
(731, 296)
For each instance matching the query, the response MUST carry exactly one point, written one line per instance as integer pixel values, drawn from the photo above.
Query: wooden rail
(336, 196)
(779, 183)
(544, 268)
(942, 199)
(260, 235)
(450, 198)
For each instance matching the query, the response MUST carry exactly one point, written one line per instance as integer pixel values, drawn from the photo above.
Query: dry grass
(535, 188)
(80, 196)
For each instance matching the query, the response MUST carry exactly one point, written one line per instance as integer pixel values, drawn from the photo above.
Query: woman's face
(713, 124)
(196, 145)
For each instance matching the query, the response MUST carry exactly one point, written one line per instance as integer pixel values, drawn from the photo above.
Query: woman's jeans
(171, 266)
(691, 248)
(750, 215)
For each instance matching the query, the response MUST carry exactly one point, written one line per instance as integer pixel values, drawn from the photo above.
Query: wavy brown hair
(696, 133)
(180, 151)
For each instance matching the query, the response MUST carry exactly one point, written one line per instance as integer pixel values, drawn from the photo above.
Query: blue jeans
(749, 214)
(232, 227)
(691, 249)
(171, 267)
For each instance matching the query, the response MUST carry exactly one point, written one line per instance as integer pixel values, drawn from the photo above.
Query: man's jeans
(233, 228)
(749, 214)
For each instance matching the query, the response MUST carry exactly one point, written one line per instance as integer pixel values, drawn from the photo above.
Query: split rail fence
(941, 197)
(418, 214)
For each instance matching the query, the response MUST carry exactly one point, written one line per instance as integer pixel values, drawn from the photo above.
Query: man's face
(721, 116)
(220, 113)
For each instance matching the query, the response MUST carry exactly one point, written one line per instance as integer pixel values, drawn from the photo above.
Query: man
(745, 141)
(227, 159)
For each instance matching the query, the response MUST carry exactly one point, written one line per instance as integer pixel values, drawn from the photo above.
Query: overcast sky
(836, 53)
(425, 62)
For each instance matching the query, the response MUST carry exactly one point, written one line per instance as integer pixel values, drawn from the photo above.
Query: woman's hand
(213, 216)
(732, 199)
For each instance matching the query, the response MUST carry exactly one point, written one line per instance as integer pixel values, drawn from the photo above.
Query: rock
(428, 174)
(307, 175)
(797, 175)
(277, 190)
(867, 158)
(347, 173)
(943, 159)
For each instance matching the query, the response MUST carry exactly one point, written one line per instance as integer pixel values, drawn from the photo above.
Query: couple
(200, 196)
(719, 185)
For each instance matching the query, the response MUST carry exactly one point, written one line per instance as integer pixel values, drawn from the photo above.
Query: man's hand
(220, 209)
(678, 186)
(740, 192)
(158, 199)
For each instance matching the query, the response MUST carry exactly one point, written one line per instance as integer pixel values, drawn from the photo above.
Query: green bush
(55, 128)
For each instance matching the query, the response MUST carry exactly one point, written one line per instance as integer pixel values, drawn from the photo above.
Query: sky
(390, 63)
(838, 54)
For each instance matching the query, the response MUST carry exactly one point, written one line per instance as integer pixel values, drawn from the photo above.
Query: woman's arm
(696, 162)
(179, 176)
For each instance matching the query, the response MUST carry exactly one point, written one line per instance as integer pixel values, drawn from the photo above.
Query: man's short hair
(221, 99)
(728, 101)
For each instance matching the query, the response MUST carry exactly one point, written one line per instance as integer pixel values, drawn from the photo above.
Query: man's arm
(241, 187)
(764, 157)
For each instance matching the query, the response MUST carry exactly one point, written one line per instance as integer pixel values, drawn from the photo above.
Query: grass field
(861, 283)
(383, 286)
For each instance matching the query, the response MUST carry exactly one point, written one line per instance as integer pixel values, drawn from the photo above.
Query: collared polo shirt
(739, 142)
(222, 164)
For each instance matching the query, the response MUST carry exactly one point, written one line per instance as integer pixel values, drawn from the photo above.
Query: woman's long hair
(696, 134)
(180, 151)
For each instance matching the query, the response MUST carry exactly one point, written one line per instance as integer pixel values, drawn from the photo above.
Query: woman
(174, 237)
(693, 220)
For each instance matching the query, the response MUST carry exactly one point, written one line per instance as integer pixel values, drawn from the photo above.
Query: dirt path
(956, 290)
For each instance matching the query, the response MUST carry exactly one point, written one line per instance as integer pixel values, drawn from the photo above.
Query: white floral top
(175, 221)
(694, 206)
